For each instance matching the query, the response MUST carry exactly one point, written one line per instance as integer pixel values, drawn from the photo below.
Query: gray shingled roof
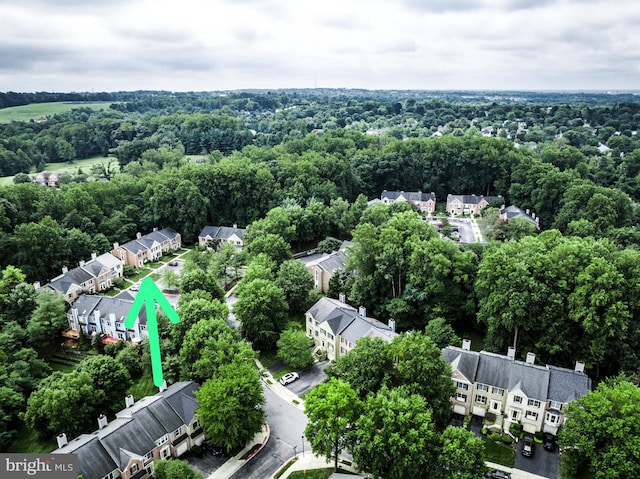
(134, 431)
(333, 261)
(535, 381)
(181, 397)
(223, 232)
(134, 246)
(87, 303)
(344, 320)
(169, 233)
(566, 385)
(409, 195)
(473, 199)
(156, 236)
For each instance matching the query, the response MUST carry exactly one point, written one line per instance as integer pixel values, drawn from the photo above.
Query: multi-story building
(149, 247)
(469, 204)
(156, 427)
(514, 391)
(425, 202)
(223, 234)
(335, 326)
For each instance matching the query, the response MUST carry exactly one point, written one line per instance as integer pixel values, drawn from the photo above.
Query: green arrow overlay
(148, 295)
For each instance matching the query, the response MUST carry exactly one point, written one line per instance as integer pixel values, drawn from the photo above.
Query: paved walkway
(236, 462)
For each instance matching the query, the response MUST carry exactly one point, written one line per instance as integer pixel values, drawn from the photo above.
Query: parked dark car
(527, 446)
(549, 442)
(498, 475)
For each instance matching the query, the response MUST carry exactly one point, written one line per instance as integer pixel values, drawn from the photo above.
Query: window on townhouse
(461, 385)
(148, 456)
(555, 405)
(196, 424)
(533, 402)
(165, 453)
(481, 399)
(317, 334)
(176, 433)
(482, 387)
(310, 332)
(343, 351)
(330, 346)
(461, 397)
(330, 335)
(309, 320)
(552, 418)
(162, 440)
(134, 469)
(498, 391)
(517, 399)
(531, 415)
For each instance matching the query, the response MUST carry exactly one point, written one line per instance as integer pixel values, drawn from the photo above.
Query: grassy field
(72, 167)
(498, 453)
(41, 110)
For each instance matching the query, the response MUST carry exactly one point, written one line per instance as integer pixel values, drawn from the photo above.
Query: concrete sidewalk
(515, 473)
(307, 462)
(237, 461)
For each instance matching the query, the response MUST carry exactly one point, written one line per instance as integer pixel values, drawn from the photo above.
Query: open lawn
(494, 452)
(36, 111)
(72, 167)
(312, 474)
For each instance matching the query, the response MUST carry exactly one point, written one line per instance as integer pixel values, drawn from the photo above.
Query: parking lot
(543, 463)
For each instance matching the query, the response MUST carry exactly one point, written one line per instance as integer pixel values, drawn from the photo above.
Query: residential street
(287, 425)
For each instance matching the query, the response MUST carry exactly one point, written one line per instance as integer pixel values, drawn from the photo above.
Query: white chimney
(362, 311)
(579, 367)
(392, 324)
(62, 440)
(342, 298)
(235, 225)
(116, 245)
(155, 228)
(81, 263)
(36, 285)
(531, 358)
(164, 386)
(102, 421)
(128, 400)
(511, 352)
(466, 344)
(138, 235)
(94, 256)
(65, 270)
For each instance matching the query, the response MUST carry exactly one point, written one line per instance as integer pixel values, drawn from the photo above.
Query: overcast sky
(182, 45)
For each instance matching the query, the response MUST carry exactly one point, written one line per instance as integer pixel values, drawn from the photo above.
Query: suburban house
(48, 178)
(223, 234)
(89, 277)
(156, 427)
(335, 326)
(426, 202)
(512, 212)
(323, 268)
(91, 314)
(149, 247)
(514, 391)
(469, 204)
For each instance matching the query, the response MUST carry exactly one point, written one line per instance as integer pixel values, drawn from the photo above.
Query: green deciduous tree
(460, 455)
(332, 408)
(262, 309)
(604, 427)
(63, 403)
(366, 368)
(395, 435)
(174, 469)
(231, 405)
(110, 380)
(294, 348)
(296, 283)
(419, 367)
(47, 321)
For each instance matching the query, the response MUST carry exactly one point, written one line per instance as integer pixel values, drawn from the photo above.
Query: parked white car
(289, 378)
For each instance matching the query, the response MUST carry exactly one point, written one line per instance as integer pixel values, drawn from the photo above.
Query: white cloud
(227, 44)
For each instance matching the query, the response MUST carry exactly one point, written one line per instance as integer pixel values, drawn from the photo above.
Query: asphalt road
(466, 232)
(287, 425)
(309, 378)
(542, 463)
